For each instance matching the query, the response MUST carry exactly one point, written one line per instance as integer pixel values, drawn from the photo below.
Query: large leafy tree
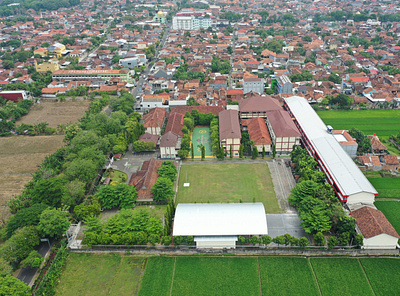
(53, 222)
(10, 285)
(49, 191)
(25, 217)
(162, 189)
(80, 169)
(20, 245)
(168, 170)
(121, 195)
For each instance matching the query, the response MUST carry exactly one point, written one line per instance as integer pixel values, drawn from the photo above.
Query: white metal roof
(216, 219)
(341, 167)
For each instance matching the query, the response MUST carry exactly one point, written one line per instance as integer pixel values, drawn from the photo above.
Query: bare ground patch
(19, 158)
(55, 113)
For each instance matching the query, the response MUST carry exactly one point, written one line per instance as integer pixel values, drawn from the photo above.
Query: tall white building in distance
(190, 23)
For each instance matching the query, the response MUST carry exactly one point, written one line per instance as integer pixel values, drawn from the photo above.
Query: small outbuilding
(218, 225)
(377, 231)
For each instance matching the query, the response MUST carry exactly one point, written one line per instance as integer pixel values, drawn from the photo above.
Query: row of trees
(163, 188)
(127, 227)
(10, 112)
(286, 240)
(319, 209)
(364, 143)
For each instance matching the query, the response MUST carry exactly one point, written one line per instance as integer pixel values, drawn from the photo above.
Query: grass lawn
(228, 182)
(157, 211)
(119, 176)
(105, 274)
(391, 210)
(157, 277)
(383, 274)
(286, 276)
(216, 276)
(340, 276)
(382, 122)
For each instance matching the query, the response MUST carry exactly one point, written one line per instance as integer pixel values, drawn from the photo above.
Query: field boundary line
(259, 276)
(315, 277)
(173, 276)
(369, 283)
(141, 275)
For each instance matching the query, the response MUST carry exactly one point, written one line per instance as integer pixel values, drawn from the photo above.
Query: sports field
(113, 274)
(383, 123)
(201, 136)
(391, 210)
(228, 182)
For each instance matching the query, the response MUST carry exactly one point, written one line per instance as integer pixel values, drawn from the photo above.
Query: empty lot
(55, 113)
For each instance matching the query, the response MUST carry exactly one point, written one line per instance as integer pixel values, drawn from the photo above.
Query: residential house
(377, 231)
(144, 179)
(376, 145)
(253, 85)
(154, 120)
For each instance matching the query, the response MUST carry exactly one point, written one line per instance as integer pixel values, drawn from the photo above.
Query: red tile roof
(155, 118)
(144, 179)
(229, 127)
(372, 222)
(258, 131)
(175, 124)
(258, 104)
(202, 109)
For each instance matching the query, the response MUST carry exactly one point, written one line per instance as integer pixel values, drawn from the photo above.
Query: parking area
(130, 162)
(283, 181)
(280, 224)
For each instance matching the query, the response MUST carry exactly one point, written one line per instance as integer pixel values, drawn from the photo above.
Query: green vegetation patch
(105, 274)
(201, 135)
(216, 276)
(157, 277)
(341, 276)
(228, 182)
(387, 187)
(391, 210)
(286, 276)
(383, 274)
(382, 122)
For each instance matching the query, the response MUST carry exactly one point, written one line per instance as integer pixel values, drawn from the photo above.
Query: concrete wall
(363, 197)
(382, 241)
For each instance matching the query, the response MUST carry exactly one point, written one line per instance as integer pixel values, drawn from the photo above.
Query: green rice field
(383, 123)
(386, 187)
(391, 210)
(111, 274)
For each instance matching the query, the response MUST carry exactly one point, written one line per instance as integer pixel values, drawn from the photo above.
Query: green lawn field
(341, 276)
(382, 122)
(201, 135)
(286, 276)
(113, 274)
(391, 210)
(103, 274)
(228, 182)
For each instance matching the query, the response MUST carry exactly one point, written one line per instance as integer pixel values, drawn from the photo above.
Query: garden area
(228, 182)
(115, 176)
(113, 274)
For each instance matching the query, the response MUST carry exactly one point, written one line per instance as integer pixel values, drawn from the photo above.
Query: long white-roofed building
(347, 180)
(218, 225)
